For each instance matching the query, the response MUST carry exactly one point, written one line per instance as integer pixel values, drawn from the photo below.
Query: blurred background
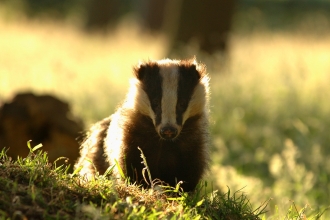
(64, 64)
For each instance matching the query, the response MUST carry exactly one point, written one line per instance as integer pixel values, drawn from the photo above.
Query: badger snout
(168, 132)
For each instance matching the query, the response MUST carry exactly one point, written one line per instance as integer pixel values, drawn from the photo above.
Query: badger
(165, 114)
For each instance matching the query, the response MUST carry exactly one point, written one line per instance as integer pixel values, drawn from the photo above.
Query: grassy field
(270, 101)
(270, 130)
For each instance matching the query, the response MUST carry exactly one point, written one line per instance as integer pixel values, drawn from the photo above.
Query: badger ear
(199, 67)
(195, 68)
(140, 71)
(143, 69)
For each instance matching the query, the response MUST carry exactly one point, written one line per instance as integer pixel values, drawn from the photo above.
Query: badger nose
(168, 132)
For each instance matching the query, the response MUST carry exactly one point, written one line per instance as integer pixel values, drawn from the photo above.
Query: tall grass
(270, 100)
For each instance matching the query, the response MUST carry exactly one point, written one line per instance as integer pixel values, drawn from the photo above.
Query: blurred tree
(52, 8)
(153, 13)
(207, 21)
(101, 12)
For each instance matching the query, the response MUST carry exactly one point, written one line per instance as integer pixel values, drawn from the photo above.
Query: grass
(33, 188)
(269, 121)
(270, 113)
(48, 57)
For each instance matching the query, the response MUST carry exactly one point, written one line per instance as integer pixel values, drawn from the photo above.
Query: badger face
(170, 92)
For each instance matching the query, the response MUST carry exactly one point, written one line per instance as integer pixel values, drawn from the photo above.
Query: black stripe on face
(188, 79)
(148, 74)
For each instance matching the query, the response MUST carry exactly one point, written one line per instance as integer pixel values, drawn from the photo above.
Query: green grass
(33, 188)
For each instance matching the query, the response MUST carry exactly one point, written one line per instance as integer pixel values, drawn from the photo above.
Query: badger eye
(181, 106)
(155, 104)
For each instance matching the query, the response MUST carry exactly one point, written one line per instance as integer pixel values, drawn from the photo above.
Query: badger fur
(165, 113)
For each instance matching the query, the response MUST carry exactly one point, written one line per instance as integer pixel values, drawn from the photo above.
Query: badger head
(170, 92)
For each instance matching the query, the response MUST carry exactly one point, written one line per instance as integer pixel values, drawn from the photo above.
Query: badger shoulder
(92, 158)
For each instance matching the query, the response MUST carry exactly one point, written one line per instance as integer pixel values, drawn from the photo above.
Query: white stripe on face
(170, 76)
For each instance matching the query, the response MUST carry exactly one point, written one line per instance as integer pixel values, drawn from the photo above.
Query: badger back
(170, 92)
